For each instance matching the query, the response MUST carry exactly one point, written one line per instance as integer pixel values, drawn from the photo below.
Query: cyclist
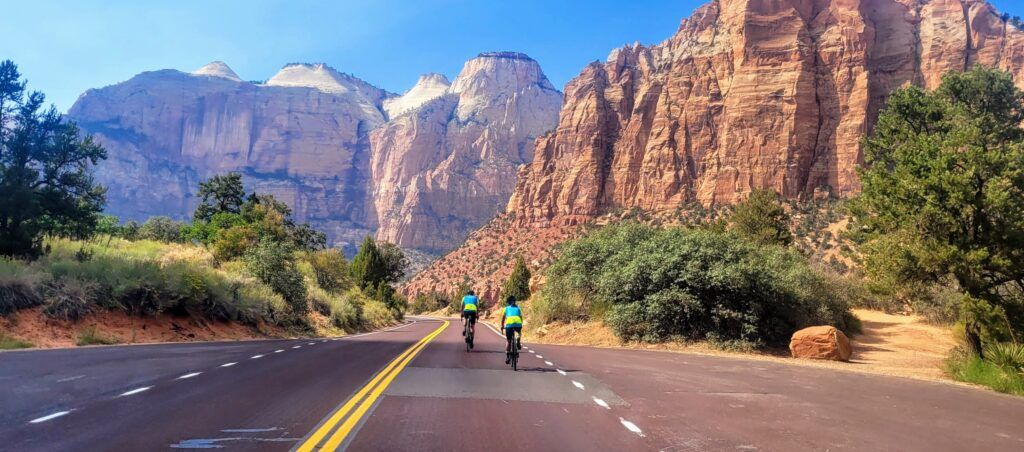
(512, 319)
(469, 305)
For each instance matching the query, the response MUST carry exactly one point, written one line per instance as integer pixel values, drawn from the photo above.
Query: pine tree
(518, 283)
(368, 266)
(46, 184)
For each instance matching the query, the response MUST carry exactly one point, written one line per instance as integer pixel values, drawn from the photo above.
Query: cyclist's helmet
(470, 293)
(511, 300)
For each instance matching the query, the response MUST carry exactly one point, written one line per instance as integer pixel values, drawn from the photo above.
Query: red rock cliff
(748, 94)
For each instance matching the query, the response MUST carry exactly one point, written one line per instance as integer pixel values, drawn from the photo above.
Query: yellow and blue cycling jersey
(513, 317)
(469, 303)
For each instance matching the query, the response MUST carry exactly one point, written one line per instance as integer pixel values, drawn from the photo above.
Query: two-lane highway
(416, 388)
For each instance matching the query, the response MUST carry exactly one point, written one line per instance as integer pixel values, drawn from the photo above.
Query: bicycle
(469, 331)
(514, 354)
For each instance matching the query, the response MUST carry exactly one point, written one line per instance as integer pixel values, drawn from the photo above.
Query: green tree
(220, 194)
(518, 283)
(762, 219)
(46, 185)
(943, 196)
(130, 230)
(274, 264)
(395, 262)
(161, 229)
(368, 266)
(330, 269)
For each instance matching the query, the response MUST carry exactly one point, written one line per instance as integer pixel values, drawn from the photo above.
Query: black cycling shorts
(471, 315)
(509, 333)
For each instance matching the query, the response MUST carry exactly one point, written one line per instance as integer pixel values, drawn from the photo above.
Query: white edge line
(135, 391)
(187, 376)
(631, 427)
(229, 364)
(49, 417)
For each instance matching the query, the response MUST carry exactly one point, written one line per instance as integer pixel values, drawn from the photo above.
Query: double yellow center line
(363, 400)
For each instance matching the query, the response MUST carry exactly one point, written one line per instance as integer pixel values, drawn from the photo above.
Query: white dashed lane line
(631, 427)
(548, 363)
(561, 372)
(578, 385)
(136, 391)
(187, 376)
(228, 364)
(65, 380)
(256, 357)
(311, 343)
(601, 403)
(49, 417)
(540, 357)
(297, 346)
(278, 351)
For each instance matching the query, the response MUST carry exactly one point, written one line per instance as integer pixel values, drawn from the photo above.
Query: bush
(274, 264)
(232, 242)
(1008, 356)
(330, 269)
(70, 299)
(18, 287)
(659, 284)
(970, 368)
(428, 303)
(161, 229)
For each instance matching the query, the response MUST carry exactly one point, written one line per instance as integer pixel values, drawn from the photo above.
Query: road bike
(513, 358)
(469, 332)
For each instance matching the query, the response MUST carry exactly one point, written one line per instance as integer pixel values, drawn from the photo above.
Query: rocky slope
(305, 136)
(449, 165)
(746, 94)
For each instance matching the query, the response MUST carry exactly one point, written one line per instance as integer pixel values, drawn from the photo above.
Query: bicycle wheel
(515, 360)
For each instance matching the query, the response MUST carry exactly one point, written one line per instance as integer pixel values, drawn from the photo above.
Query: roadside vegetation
(242, 258)
(940, 221)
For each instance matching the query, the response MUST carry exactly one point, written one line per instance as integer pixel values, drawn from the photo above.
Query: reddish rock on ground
(820, 342)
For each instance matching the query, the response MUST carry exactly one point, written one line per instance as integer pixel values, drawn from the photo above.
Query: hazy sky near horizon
(64, 48)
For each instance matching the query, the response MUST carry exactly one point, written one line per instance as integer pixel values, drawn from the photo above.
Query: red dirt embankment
(32, 326)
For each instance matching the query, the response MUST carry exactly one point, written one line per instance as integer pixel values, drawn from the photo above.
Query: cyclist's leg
(518, 337)
(472, 323)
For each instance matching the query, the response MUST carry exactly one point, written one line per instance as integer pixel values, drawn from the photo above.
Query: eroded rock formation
(747, 94)
(442, 166)
(449, 165)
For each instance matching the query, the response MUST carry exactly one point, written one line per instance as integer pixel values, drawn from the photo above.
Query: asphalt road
(416, 388)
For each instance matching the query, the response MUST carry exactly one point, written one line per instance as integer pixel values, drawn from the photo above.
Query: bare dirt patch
(32, 326)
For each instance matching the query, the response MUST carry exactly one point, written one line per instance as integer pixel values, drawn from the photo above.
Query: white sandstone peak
(319, 76)
(217, 69)
(428, 87)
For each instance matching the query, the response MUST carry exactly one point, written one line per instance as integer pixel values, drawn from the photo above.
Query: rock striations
(305, 136)
(447, 167)
(747, 94)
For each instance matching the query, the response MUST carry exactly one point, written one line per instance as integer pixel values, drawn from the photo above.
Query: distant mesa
(217, 69)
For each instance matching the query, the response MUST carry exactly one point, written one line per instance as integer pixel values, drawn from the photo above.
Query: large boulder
(820, 342)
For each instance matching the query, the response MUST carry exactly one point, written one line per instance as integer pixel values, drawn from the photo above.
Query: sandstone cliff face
(443, 165)
(748, 94)
(167, 130)
(449, 165)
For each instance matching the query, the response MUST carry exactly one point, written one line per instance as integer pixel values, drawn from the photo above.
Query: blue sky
(65, 47)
